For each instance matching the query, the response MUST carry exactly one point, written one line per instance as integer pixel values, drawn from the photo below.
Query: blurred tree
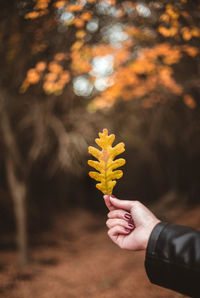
(33, 126)
(119, 49)
(64, 60)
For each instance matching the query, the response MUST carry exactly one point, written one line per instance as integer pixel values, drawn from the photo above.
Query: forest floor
(76, 259)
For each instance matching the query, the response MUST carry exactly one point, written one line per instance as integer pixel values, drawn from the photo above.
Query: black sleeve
(173, 258)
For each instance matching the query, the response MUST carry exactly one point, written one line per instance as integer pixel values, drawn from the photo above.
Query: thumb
(108, 202)
(122, 204)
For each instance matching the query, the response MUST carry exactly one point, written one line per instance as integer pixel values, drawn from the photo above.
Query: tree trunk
(17, 185)
(18, 191)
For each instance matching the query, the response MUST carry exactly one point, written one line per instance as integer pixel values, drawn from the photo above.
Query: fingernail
(127, 216)
(112, 196)
(131, 225)
(127, 230)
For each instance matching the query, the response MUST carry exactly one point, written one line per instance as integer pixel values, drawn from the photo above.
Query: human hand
(119, 223)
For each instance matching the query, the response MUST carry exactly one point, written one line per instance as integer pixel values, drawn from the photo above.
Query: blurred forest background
(70, 69)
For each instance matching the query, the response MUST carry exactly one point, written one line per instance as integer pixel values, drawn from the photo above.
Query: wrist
(151, 228)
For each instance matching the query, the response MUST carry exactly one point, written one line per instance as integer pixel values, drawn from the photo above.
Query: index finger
(108, 203)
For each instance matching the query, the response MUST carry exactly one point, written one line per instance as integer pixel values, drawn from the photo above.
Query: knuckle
(116, 213)
(109, 215)
(109, 233)
(136, 203)
(120, 213)
(107, 222)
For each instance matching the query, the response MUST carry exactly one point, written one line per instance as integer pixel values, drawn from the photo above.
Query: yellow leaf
(106, 163)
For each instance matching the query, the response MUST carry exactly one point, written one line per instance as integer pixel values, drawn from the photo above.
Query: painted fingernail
(130, 225)
(112, 196)
(127, 216)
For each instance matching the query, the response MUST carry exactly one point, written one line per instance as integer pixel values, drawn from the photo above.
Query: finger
(119, 222)
(122, 204)
(114, 232)
(119, 213)
(108, 203)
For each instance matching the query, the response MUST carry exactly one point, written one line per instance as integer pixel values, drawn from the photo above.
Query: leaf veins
(106, 164)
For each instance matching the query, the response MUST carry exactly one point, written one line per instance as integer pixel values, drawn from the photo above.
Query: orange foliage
(173, 28)
(86, 16)
(60, 56)
(121, 57)
(77, 45)
(38, 47)
(191, 51)
(165, 76)
(103, 102)
(39, 9)
(80, 34)
(79, 23)
(189, 101)
(55, 82)
(145, 76)
(41, 66)
(59, 4)
(168, 32)
(173, 57)
(195, 32)
(55, 67)
(80, 61)
(41, 4)
(127, 81)
(142, 65)
(74, 7)
(51, 77)
(65, 76)
(32, 15)
(102, 50)
(33, 76)
(186, 33)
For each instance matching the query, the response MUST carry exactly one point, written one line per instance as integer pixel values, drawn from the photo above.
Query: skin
(129, 223)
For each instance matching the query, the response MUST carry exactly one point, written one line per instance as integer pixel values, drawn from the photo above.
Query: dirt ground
(78, 260)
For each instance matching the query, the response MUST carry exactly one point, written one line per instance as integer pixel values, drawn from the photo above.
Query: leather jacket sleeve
(173, 258)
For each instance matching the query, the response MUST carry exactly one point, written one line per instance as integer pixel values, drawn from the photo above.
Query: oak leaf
(106, 163)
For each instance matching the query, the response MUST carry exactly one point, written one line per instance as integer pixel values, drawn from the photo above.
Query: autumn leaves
(143, 58)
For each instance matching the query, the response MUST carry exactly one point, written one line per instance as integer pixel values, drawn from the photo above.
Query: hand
(129, 230)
